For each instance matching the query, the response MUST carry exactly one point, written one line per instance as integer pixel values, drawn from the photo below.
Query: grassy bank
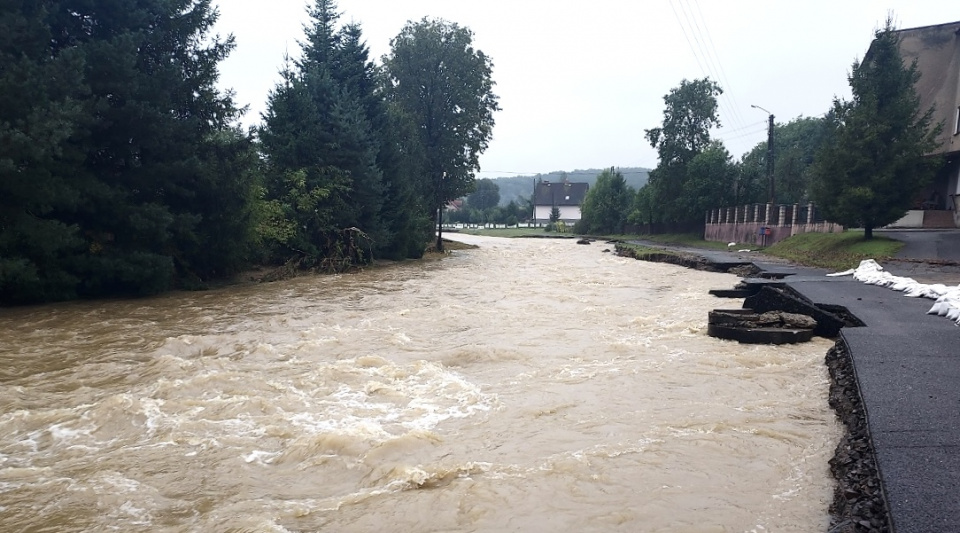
(515, 232)
(640, 251)
(692, 240)
(838, 251)
(834, 250)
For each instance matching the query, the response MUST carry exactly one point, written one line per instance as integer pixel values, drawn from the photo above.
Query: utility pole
(770, 155)
(533, 201)
(773, 189)
(440, 213)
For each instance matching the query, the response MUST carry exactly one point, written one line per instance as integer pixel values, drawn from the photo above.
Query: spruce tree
(322, 122)
(42, 89)
(304, 194)
(406, 208)
(875, 159)
(130, 90)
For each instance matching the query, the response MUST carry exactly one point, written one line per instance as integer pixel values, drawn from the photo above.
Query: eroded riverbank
(858, 503)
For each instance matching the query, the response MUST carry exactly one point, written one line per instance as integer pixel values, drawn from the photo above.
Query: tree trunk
(868, 232)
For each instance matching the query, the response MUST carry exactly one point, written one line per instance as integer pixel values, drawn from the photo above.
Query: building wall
(568, 213)
(913, 219)
(937, 52)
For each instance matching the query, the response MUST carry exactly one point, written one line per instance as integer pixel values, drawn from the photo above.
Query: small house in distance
(564, 195)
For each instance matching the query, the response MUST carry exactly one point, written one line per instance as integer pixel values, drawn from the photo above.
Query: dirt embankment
(674, 258)
(858, 502)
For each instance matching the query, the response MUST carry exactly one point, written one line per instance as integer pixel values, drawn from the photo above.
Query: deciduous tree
(445, 85)
(486, 195)
(711, 180)
(795, 145)
(691, 110)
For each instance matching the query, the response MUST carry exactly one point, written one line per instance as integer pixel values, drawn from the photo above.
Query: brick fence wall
(764, 224)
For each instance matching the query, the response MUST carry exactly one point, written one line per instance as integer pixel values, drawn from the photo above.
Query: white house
(565, 196)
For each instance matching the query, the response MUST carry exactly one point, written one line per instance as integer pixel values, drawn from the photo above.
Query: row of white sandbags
(947, 298)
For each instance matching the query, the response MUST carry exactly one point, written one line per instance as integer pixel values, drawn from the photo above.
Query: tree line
(482, 206)
(863, 162)
(123, 170)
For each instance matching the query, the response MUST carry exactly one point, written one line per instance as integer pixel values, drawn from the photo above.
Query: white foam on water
(152, 409)
(118, 483)
(381, 397)
(376, 401)
(139, 516)
(261, 457)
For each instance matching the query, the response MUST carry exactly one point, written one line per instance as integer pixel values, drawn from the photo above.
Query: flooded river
(528, 385)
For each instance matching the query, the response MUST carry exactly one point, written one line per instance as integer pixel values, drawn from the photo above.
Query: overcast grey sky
(579, 82)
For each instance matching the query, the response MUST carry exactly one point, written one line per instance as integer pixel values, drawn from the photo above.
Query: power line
(723, 74)
(684, 30)
(748, 126)
(742, 135)
(714, 67)
(711, 69)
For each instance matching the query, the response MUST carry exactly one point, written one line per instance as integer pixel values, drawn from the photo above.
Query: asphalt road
(941, 244)
(908, 370)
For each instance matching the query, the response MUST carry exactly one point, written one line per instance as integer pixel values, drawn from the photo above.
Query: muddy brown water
(529, 385)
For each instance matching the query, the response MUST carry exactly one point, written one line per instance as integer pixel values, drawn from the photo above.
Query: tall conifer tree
(137, 157)
(876, 157)
(320, 124)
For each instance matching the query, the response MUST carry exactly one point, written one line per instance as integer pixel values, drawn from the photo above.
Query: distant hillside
(517, 186)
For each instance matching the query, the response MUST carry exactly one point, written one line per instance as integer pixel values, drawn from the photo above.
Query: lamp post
(440, 213)
(773, 193)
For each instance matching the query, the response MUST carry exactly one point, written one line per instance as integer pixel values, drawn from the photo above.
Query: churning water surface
(528, 385)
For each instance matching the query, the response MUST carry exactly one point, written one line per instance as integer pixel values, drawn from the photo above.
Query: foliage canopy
(486, 195)
(444, 84)
(123, 172)
(607, 204)
(691, 111)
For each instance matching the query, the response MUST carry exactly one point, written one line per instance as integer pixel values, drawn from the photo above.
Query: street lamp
(773, 194)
